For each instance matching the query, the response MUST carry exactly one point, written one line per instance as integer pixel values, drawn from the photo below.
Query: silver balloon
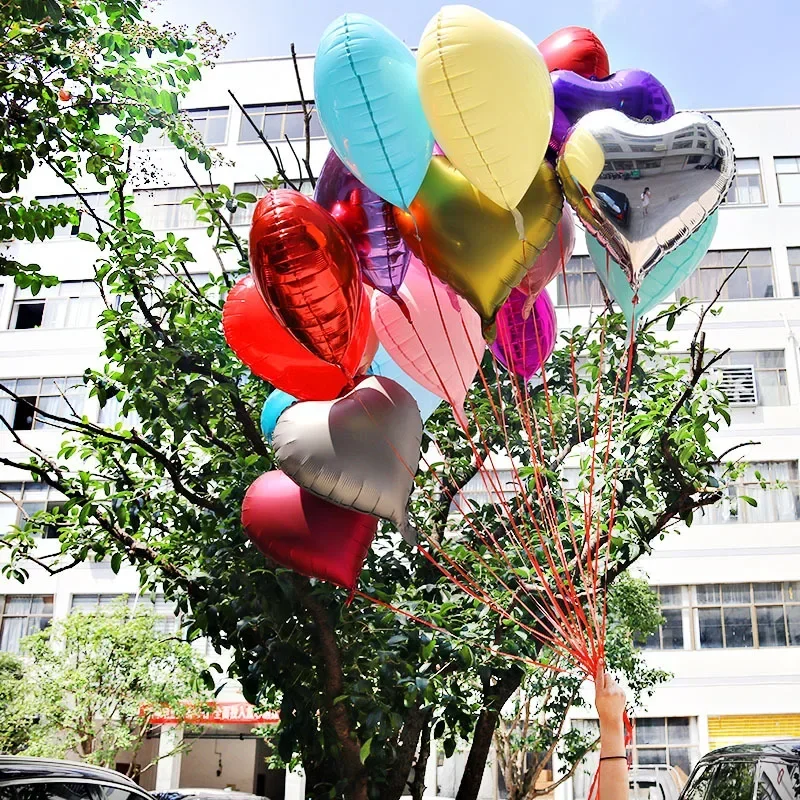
(360, 451)
(643, 189)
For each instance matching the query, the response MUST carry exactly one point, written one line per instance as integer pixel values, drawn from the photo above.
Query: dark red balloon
(576, 49)
(307, 271)
(262, 343)
(306, 533)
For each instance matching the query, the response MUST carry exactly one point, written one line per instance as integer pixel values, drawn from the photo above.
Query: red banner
(218, 713)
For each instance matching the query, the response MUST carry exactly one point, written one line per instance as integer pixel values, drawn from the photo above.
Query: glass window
(61, 396)
(164, 209)
(95, 200)
(787, 170)
(666, 740)
(244, 214)
(20, 501)
(22, 615)
(734, 780)
(674, 609)
(582, 287)
(748, 615)
(746, 188)
(71, 304)
(210, 123)
(278, 121)
(778, 780)
(698, 787)
(166, 620)
(793, 254)
(770, 371)
(752, 280)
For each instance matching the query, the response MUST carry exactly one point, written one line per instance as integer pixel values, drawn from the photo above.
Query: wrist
(612, 739)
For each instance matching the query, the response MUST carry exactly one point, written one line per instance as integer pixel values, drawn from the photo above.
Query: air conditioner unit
(739, 384)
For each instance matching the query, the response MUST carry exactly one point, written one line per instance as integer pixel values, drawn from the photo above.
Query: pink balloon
(553, 258)
(442, 345)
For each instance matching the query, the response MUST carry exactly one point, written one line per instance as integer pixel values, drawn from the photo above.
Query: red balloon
(307, 272)
(261, 342)
(576, 49)
(306, 533)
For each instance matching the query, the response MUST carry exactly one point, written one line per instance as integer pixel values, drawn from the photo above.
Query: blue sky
(709, 53)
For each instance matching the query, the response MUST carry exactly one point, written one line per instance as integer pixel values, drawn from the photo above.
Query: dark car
(207, 794)
(45, 779)
(764, 771)
(615, 203)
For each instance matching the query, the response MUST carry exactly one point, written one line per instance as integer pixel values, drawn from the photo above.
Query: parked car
(766, 771)
(615, 203)
(46, 779)
(207, 794)
(655, 782)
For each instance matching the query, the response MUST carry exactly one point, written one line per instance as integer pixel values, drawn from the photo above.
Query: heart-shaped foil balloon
(576, 49)
(305, 533)
(643, 189)
(471, 243)
(360, 451)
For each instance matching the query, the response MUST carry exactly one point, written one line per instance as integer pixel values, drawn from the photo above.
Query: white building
(730, 586)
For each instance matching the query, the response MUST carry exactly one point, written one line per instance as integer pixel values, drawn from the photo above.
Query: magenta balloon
(382, 253)
(524, 344)
(437, 151)
(553, 258)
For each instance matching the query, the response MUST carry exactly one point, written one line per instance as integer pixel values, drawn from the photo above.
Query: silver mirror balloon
(643, 189)
(360, 451)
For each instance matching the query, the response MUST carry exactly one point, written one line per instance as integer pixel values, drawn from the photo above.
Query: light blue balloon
(274, 406)
(662, 280)
(365, 89)
(383, 364)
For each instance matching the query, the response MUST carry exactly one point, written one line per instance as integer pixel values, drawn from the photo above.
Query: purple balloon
(634, 92)
(382, 253)
(526, 335)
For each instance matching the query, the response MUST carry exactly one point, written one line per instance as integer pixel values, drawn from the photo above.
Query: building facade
(729, 586)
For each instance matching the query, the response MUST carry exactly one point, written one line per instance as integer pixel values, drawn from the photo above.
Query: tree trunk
(406, 749)
(418, 786)
(494, 698)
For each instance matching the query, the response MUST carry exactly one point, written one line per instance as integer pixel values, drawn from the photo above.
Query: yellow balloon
(471, 243)
(487, 95)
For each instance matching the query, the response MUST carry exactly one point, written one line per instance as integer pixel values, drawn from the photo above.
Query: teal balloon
(365, 90)
(274, 406)
(662, 279)
(383, 364)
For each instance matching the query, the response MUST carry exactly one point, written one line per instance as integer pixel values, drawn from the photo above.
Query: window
(163, 209)
(244, 214)
(483, 487)
(733, 780)
(697, 789)
(71, 304)
(95, 200)
(793, 254)
(278, 121)
(210, 123)
(748, 615)
(787, 170)
(166, 621)
(772, 388)
(20, 501)
(752, 279)
(52, 395)
(774, 504)
(675, 610)
(666, 740)
(22, 615)
(746, 187)
(583, 287)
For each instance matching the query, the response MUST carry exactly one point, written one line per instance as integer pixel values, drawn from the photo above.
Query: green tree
(532, 728)
(359, 687)
(15, 724)
(94, 680)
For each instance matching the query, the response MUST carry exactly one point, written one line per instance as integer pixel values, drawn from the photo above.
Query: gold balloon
(471, 243)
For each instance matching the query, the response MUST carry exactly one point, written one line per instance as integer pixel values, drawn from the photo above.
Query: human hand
(609, 699)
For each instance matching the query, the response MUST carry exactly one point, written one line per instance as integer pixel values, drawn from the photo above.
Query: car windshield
(733, 780)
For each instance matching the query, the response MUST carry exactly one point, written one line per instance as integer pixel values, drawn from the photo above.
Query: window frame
(793, 259)
(780, 372)
(51, 499)
(589, 278)
(176, 223)
(734, 185)
(47, 599)
(209, 116)
(70, 382)
(726, 269)
(46, 296)
(263, 113)
(775, 160)
(692, 745)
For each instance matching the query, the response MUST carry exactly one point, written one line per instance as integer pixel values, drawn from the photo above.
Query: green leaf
(365, 750)
(751, 501)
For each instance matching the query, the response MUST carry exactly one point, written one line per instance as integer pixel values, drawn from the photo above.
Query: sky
(709, 53)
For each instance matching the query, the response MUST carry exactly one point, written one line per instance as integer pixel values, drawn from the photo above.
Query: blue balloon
(384, 365)
(274, 406)
(661, 281)
(365, 89)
